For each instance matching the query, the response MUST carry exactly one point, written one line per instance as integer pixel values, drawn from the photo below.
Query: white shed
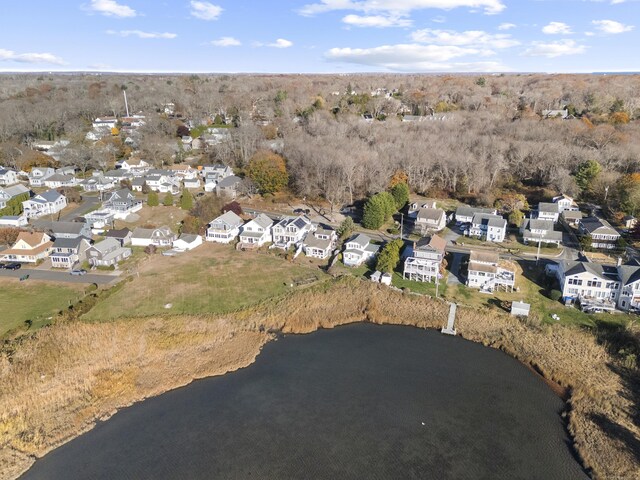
(520, 309)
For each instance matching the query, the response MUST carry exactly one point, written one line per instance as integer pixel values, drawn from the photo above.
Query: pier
(449, 329)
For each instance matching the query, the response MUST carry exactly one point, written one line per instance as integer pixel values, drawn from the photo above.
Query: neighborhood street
(60, 276)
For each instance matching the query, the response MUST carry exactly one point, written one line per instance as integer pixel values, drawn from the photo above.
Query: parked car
(13, 266)
(78, 272)
(2, 265)
(302, 211)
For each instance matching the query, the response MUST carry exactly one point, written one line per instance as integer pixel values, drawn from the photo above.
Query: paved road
(454, 269)
(62, 276)
(88, 203)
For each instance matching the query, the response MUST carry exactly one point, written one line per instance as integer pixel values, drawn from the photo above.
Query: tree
(146, 188)
(516, 217)
(182, 131)
(167, 201)
(586, 174)
(232, 207)
(152, 199)
(186, 200)
(378, 210)
(9, 235)
(400, 193)
(585, 243)
(389, 257)
(269, 172)
(71, 194)
(346, 228)
(398, 177)
(14, 206)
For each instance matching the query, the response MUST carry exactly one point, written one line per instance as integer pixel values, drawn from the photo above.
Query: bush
(152, 199)
(168, 200)
(150, 249)
(232, 207)
(555, 295)
(186, 200)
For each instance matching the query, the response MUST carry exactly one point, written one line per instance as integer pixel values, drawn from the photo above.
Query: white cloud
(226, 42)
(111, 8)
(400, 6)
(280, 43)
(141, 34)
(476, 38)
(506, 26)
(554, 49)
(438, 19)
(205, 10)
(11, 56)
(611, 26)
(413, 57)
(557, 28)
(378, 21)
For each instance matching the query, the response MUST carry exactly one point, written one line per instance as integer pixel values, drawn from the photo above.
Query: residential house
(571, 218)
(66, 252)
(123, 235)
(136, 166)
(159, 237)
(13, 221)
(431, 220)
(629, 222)
(13, 191)
(629, 296)
(100, 218)
(63, 229)
(464, 213)
(291, 231)
(487, 273)
(58, 180)
(47, 203)
(548, 211)
(216, 172)
(535, 230)
(594, 286)
(117, 176)
(105, 123)
(255, 233)
(97, 183)
(359, 250)
(191, 183)
(184, 171)
(107, 253)
(28, 248)
(122, 203)
(225, 228)
(565, 202)
(492, 228)
(8, 176)
(424, 262)
(38, 175)
(562, 114)
(320, 243)
(228, 187)
(162, 181)
(603, 235)
(413, 208)
(187, 242)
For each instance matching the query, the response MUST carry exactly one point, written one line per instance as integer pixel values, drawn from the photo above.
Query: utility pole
(538, 254)
(401, 224)
(126, 105)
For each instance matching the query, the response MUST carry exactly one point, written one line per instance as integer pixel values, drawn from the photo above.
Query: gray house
(64, 229)
(106, 253)
(66, 252)
(228, 186)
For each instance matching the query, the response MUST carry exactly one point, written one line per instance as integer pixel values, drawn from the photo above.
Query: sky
(320, 36)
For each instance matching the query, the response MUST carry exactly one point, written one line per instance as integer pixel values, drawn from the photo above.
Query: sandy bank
(56, 383)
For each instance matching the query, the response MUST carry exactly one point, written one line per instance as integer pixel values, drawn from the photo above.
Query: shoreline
(235, 341)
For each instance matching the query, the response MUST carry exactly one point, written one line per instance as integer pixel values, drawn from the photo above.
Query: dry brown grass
(159, 216)
(63, 378)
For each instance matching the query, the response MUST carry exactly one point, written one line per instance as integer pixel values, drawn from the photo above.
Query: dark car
(12, 266)
(78, 272)
(302, 211)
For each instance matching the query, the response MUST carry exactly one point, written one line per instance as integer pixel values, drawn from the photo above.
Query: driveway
(454, 277)
(88, 203)
(61, 276)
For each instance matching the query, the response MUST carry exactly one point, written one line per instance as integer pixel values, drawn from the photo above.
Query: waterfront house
(63, 229)
(28, 248)
(107, 253)
(602, 234)
(464, 213)
(291, 231)
(47, 203)
(594, 286)
(159, 237)
(66, 252)
(425, 259)
(255, 233)
(535, 230)
(548, 211)
(225, 228)
(487, 273)
(186, 242)
(492, 228)
(430, 220)
(629, 296)
(358, 250)
(320, 243)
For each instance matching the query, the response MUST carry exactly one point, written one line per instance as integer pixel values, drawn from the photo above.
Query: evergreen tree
(400, 193)
(378, 209)
(152, 199)
(168, 200)
(389, 257)
(586, 173)
(186, 200)
(346, 228)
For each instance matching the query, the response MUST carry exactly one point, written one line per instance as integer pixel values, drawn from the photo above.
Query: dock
(449, 329)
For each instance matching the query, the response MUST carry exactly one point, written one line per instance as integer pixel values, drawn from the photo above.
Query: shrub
(555, 295)
(167, 201)
(150, 249)
(152, 199)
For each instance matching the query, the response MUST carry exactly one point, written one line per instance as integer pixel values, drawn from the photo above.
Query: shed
(375, 276)
(520, 309)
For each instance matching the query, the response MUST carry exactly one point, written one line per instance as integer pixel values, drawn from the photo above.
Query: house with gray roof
(122, 203)
(7, 193)
(359, 250)
(107, 253)
(536, 230)
(123, 235)
(320, 243)
(58, 180)
(595, 286)
(424, 259)
(571, 218)
(66, 252)
(629, 297)
(47, 203)
(186, 242)
(63, 229)
(228, 187)
(603, 235)
(225, 228)
(38, 175)
(430, 220)
(492, 228)
(159, 237)
(256, 232)
(8, 176)
(548, 211)
(291, 231)
(464, 213)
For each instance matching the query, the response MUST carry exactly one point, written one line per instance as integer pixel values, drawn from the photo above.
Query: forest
(343, 138)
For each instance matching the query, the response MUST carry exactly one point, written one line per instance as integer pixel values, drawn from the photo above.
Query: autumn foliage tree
(232, 207)
(268, 171)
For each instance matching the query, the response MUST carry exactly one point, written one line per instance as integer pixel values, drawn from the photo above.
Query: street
(60, 276)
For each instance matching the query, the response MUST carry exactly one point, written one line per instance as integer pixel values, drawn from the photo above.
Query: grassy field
(159, 216)
(211, 279)
(33, 300)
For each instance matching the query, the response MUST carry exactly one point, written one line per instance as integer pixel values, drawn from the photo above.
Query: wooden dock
(449, 329)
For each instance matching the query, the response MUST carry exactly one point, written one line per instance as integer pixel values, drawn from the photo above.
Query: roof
(434, 243)
(548, 235)
(547, 207)
(482, 267)
(591, 224)
(573, 267)
(537, 224)
(488, 219)
(148, 232)
(32, 238)
(15, 190)
(360, 239)
(263, 220)
(59, 177)
(229, 218)
(188, 237)
(483, 256)
(562, 196)
(467, 211)
(430, 214)
(106, 245)
(572, 214)
(122, 233)
(310, 240)
(229, 181)
(60, 227)
(629, 274)
(51, 195)
(68, 242)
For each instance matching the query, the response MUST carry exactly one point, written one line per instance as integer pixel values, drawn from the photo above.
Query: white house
(603, 235)
(216, 172)
(159, 237)
(431, 219)
(571, 218)
(548, 211)
(191, 183)
(134, 165)
(492, 228)
(629, 297)
(320, 243)
(58, 180)
(47, 203)
(108, 252)
(100, 218)
(184, 171)
(423, 264)
(359, 250)
(8, 176)
(536, 230)
(225, 228)
(7, 193)
(486, 273)
(97, 183)
(255, 233)
(595, 286)
(122, 203)
(28, 248)
(565, 202)
(105, 123)
(291, 231)
(186, 242)
(39, 174)
(13, 221)
(228, 187)
(464, 213)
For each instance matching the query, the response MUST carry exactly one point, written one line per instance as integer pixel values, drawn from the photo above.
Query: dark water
(357, 402)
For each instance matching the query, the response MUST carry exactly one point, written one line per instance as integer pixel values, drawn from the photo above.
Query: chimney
(619, 262)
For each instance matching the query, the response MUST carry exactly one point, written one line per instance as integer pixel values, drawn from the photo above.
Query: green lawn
(425, 288)
(210, 279)
(33, 300)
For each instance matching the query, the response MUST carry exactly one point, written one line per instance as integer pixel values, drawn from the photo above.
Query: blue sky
(320, 35)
